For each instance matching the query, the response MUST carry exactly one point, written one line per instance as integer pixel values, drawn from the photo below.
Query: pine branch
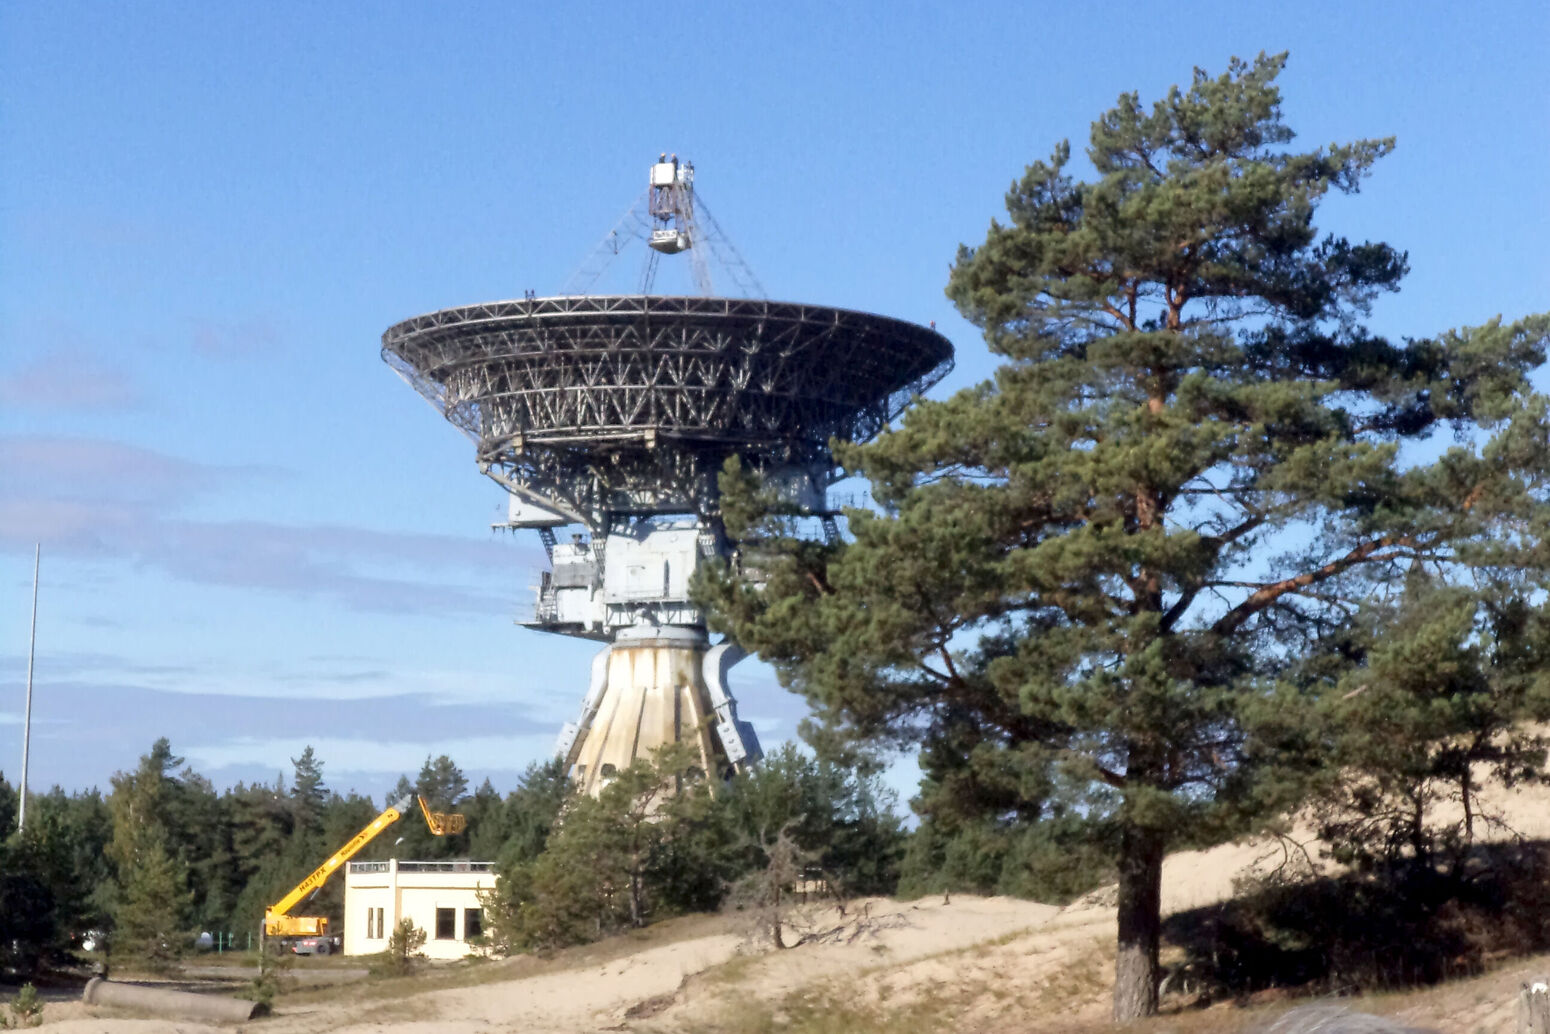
(1265, 595)
(1238, 530)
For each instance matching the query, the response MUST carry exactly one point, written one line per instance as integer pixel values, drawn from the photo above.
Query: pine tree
(150, 922)
(29, 916)
(441, 782)
(199, 835)
(1111, 574)
(1451, 690)
(839, 818)
(444, 787)
(152, 903)
(532, 810)
(611, 865)
(260, 820)
(62, 848)
(308, 794)
(485, 812)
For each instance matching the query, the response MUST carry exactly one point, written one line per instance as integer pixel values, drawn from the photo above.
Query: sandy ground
(993, 962)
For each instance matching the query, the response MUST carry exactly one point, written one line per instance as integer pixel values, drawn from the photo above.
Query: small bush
(766, 897)
(262, 990)
(24, 1010)
(273, 962)
(403, 950)
(479, 948)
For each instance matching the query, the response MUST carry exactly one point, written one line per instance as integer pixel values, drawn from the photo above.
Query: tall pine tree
(153, 902)
(308, 794)
(1091, 574)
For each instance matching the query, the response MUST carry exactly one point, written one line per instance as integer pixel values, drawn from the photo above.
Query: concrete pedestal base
(655, 695)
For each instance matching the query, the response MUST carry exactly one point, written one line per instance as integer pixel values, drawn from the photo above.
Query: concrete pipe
(160, 1002)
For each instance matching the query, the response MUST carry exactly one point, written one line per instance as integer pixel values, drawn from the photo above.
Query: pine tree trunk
(1140, 923)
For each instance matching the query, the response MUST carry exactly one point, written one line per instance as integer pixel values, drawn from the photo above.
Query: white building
(441, 898)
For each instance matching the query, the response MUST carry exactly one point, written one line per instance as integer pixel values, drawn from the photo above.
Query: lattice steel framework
(600, 406)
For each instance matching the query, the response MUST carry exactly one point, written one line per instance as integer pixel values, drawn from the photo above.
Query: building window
(380, 932)
(473, 923)
(446, 924)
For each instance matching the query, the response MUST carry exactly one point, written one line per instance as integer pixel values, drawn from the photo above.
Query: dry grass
(822, 1012)
(400, 1010)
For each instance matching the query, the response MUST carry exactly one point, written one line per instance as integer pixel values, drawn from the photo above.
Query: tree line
(163, 855)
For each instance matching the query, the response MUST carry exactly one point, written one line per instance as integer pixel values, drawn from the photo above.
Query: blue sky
(256, 537)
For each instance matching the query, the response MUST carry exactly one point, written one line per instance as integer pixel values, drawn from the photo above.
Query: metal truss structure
(600, 406)
(616, 412)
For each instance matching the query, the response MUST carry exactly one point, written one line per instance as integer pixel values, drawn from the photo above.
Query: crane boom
(278, 924)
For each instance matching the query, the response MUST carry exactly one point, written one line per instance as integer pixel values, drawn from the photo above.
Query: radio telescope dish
(615, 413)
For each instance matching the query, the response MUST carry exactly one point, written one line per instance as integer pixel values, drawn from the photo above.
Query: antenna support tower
(614, 414)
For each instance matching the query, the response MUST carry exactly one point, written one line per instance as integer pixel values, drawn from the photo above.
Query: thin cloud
(198, 676)
(387, 757)
(86, 498)
(69, 380)
(85, 730)
(96, 621)
(75, 664)
(376, 676)
(56, 468)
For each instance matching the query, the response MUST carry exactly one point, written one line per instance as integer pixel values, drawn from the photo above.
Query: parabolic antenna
(616, 413)
(599, 406)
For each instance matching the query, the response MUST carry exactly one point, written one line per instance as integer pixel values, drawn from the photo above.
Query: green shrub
(24, 1010)
(262, 990)
(403, 950)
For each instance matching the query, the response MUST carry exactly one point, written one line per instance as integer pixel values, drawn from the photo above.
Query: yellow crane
(278, 924)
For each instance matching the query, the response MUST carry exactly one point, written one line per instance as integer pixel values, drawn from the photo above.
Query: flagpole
(32, 646)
